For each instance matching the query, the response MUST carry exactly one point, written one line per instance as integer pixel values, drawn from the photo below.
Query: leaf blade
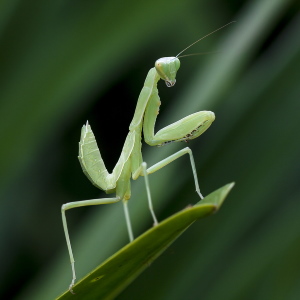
(118, 271)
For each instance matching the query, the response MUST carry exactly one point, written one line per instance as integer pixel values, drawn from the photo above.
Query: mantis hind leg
(74, 205)
(145, 173)
(128, 222)
(123, 191)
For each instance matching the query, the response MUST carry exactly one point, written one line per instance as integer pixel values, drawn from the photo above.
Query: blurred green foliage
(63, 62)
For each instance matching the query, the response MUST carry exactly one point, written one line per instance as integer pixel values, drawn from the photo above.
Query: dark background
(65, 62)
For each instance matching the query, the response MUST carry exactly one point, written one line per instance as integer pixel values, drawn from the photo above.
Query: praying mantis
(130, 163)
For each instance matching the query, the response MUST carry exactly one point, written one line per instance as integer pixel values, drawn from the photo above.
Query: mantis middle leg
(145, 172)
(171, 158)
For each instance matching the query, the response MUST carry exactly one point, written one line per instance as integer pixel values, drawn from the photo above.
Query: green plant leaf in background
(118, 271)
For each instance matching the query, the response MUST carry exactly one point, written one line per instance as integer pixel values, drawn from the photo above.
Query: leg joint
(188, 149)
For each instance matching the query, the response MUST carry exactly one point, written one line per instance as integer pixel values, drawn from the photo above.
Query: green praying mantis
(130, 163)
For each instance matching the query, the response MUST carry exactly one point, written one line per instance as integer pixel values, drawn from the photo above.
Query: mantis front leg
(185, 129)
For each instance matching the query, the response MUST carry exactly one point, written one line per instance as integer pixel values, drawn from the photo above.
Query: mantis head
(167, 68)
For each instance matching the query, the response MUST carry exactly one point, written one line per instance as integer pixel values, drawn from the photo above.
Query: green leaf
(117, 272)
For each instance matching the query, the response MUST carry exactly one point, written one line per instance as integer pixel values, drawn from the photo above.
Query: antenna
(203, 38)
(200, 53)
